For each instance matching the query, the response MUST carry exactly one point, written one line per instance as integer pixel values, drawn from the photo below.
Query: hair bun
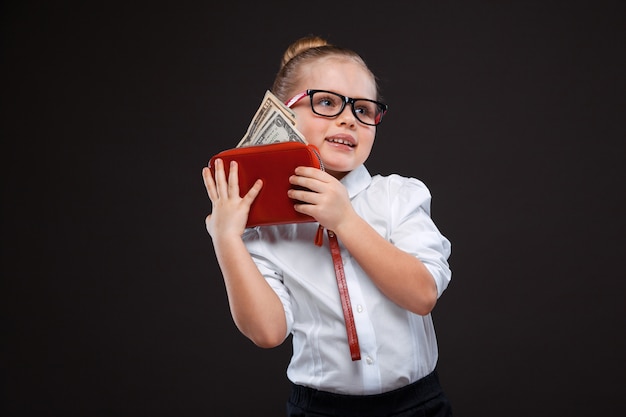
(302, 45)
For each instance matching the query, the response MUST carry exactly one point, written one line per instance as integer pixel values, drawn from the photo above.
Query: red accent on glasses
(296, 98)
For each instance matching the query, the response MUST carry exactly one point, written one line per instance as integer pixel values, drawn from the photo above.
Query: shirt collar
(357, 180)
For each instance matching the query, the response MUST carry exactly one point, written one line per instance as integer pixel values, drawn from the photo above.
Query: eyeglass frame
(345, 99)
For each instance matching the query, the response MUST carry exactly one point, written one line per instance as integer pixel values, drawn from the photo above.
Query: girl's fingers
(220, 179)
(310, 172)
(253, 192)
(233, 179)
(209, 183)
(217, 185)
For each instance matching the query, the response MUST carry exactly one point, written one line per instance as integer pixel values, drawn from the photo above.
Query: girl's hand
(326, 199)
(229, 211)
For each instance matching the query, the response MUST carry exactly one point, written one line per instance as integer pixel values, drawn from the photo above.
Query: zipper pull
(319, 236)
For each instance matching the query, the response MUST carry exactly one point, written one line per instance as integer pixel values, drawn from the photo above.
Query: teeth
(341, 141)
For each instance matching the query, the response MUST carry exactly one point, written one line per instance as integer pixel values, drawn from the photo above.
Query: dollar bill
(277, 129)
(272, 122)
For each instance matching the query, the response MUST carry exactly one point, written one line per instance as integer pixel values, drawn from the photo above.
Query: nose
(347, 115)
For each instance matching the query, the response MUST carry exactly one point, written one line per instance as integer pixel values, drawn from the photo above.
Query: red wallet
(273, 163)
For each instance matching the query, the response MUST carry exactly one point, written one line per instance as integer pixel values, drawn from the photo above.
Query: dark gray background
(511, 112)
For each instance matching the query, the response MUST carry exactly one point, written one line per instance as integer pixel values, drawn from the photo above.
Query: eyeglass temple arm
(297, 98)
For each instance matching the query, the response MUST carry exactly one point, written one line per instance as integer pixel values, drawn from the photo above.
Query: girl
(394, 259)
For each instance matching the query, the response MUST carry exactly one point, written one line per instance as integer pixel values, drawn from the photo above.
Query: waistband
(400, 399)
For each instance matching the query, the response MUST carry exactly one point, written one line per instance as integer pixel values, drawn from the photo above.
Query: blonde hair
(302, 52)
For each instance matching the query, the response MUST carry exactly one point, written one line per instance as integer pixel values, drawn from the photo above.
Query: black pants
(423, 398)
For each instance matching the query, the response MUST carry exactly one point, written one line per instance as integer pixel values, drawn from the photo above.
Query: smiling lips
(342, 140)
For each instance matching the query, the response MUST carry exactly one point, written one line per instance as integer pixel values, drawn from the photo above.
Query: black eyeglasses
(329, 104)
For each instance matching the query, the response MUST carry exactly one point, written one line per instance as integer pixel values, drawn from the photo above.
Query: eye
(327, 100)
(365, 108)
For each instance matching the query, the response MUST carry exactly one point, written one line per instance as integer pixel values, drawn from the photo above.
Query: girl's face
(344, 142)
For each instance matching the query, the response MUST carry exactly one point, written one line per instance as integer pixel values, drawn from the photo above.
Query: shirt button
(369, 360)
(359, 308)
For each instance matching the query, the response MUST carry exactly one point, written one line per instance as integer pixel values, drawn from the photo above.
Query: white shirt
(397, 346)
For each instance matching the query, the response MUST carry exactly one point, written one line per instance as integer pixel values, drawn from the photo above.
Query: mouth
(342, 141)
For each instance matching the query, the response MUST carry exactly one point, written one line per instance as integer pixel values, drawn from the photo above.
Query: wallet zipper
(319, 157)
